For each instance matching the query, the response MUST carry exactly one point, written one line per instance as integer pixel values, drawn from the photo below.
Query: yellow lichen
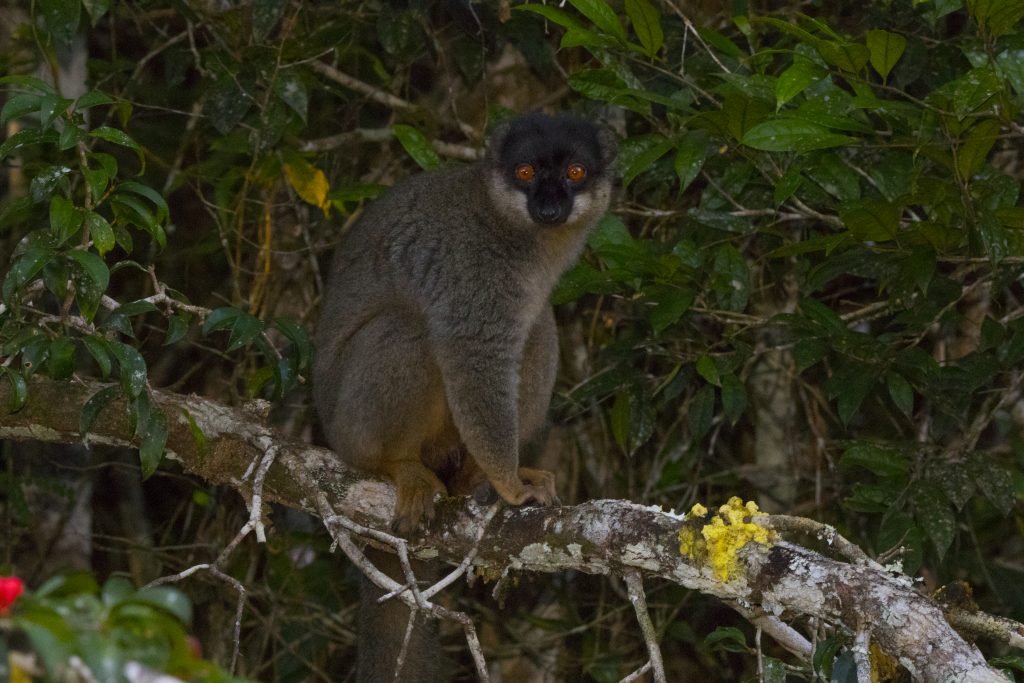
(883, 666)
(721, 539)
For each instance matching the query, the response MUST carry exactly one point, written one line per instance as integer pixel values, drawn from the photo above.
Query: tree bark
(598, 537)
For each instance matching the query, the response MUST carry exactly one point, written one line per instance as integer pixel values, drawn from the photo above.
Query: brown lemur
(437, 349)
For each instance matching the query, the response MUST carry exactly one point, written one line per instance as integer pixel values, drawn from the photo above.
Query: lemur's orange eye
(576, 172)
(524, 172)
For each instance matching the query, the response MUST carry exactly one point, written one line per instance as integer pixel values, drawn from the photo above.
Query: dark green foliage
(817, 251)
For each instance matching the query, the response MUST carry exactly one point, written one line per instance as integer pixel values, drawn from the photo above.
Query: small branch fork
(264, 441)
(341, 529)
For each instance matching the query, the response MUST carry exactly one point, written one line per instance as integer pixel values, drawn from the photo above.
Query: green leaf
(639, 153)
(98, 180)
(50, 108)
(886, 49)
(60, 362)
(996, 482)
(881, 460)
(707, 369)
(972, 153)
(851, 391)
(607, 86)
(974, 89)
(154, 441)
(19, 105)
(220, 319)
(901, 392)
(824, 654)
(730, 279)
(23, 138)
(996, 16)
(670, 303)
(116, 590)
(691, 152)
(19, 388)
(934, 514)
(100, 231)
(734, 398)
(921, 267)
(245, 329)
(119, 137)
(92, 408)
(51, 639)
(796, 79)
(70, 136)
(602, 15)
(847, 56)
(701, 411)
(228, 100)
(787, 185)
(870, 220)
(792, 135)
(1011, 217)
(177, 328)
(646, 22)
(25, 268)
(552, 14)
(93, 267)
(265, 16)
(63, 222)
(296, 334)
(956, 483)
(93, 98)
(620, 419)
(743, 113)
(132, 368)
(417, 145)
(97, 348)
(807, 352)
(47, 180)
(290, 88)
(162, 212)
(727, 638)
(61, 17)
(170, 600)
(28, 82)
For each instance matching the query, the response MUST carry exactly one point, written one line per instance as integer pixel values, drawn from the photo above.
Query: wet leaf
(792, 135)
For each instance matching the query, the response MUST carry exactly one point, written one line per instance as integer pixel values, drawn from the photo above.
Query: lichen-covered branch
(601, 537)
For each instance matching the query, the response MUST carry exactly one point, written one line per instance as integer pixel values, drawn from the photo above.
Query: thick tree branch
(598, 537)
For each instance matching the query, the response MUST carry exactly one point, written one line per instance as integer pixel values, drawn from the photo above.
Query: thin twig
(635, 586)
(359, 86)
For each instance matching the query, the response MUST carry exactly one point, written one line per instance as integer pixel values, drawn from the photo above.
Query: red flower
(10, 588)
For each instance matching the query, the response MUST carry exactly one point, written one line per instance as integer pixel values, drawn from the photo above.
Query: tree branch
(597, 537)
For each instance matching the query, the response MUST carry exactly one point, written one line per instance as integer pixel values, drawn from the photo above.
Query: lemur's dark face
(555, 164)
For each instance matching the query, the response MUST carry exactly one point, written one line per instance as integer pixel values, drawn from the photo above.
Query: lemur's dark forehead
(550, 140)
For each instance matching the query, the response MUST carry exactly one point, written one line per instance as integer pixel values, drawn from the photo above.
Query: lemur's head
(551, 170)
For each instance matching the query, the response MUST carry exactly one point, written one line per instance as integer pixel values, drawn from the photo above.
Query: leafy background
(808, 292)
